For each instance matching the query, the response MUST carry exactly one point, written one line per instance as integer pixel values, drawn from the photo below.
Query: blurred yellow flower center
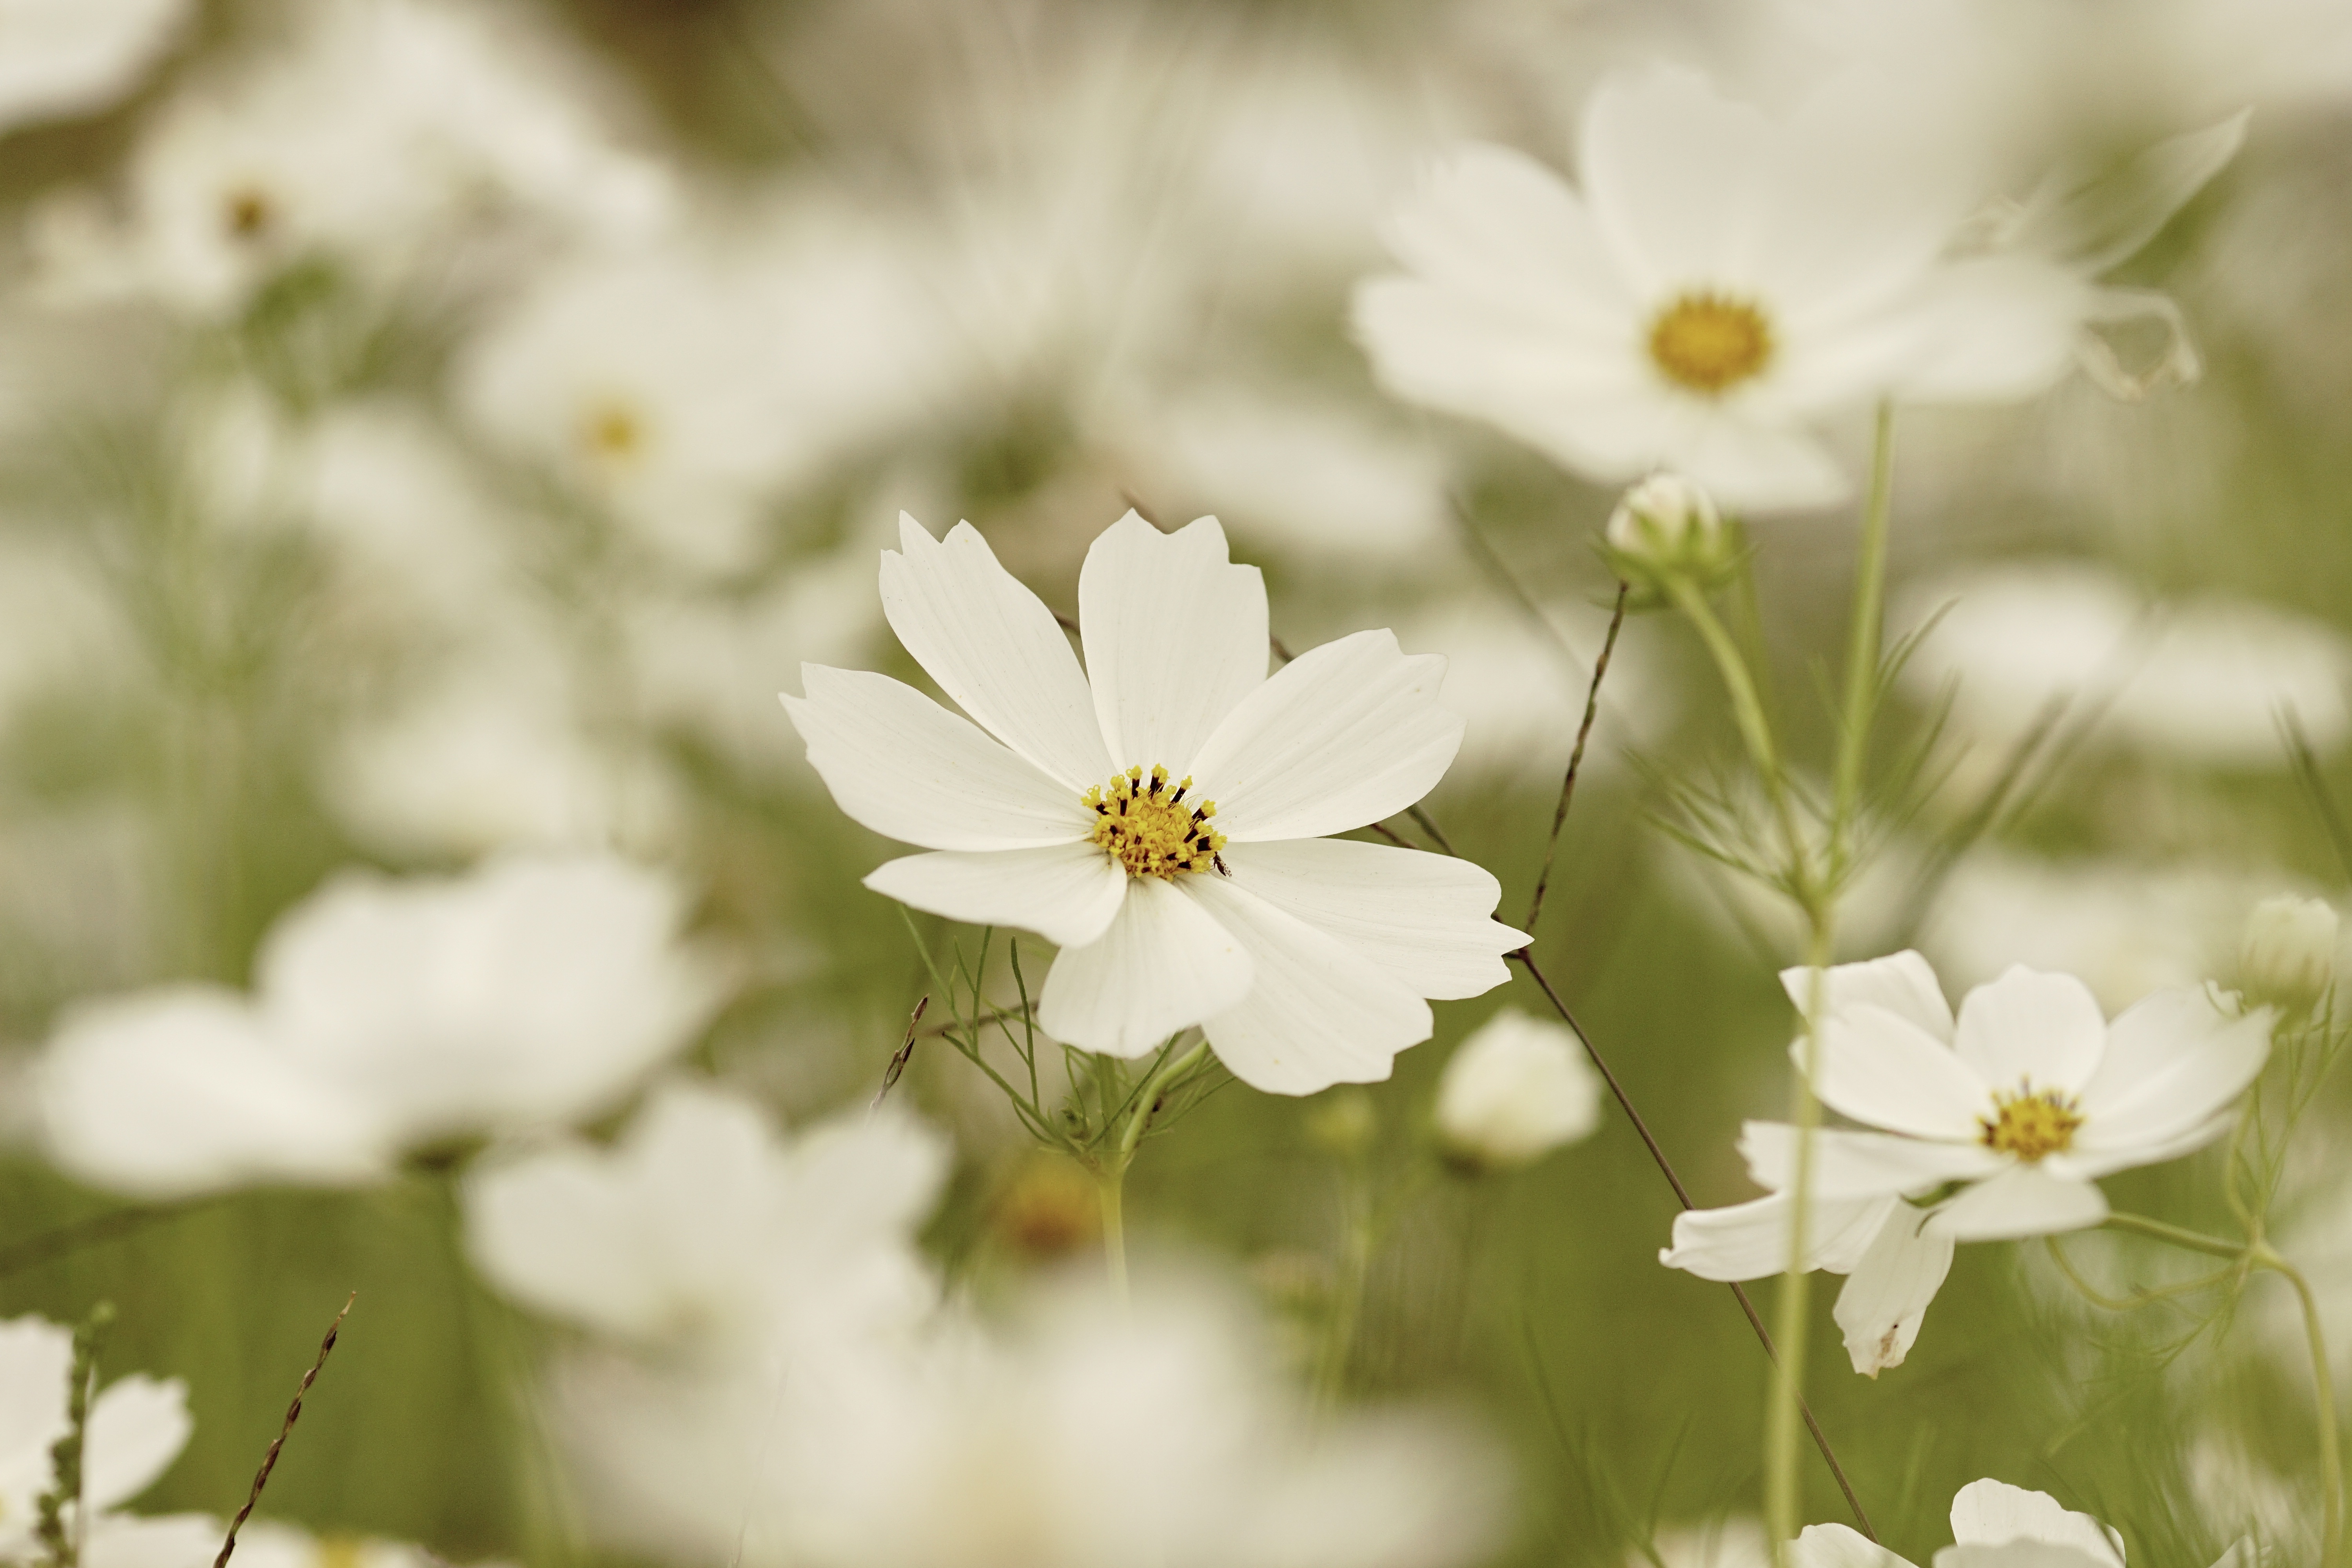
(247, 213)
(1709, 342)
(2030, 1125)
(612, 432)
(1148, 829)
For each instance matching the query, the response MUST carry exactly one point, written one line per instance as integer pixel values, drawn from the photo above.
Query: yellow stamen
(1148, 829)
(2030, 1124)
(1710, 342)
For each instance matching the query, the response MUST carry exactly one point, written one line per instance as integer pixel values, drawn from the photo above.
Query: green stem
(2323, 1390)
(1784, 1498)
(1109, 1181)
(1865, 634)
(1746, 709)
(2194, 1240)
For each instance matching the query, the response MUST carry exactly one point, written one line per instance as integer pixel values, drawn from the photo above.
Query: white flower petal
(137, 1427)
(1163, 964)
(1671, 170)
(1837, 1546)
(901, 764)
(1886, 1297)
(1175, 635)
(173, 1541)
(2174, 1060)
(2029, 1028)
(1884, 1070)
(1319, 1012)
(1425, 919)
(2088, 1161)
(994, 648)
(1344, 735)
(1751, 463)
(2022, 1201)
(1066, 893)
(1493, 223)
(1861, 1165)
(1902, 983)
(1993, 330)
(2017, 1554)
(1993, 1513)
(1750, 1240)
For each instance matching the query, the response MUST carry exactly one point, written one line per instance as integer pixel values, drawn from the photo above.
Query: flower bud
(2289, 956)
(1667, 524)
(1515, 1090)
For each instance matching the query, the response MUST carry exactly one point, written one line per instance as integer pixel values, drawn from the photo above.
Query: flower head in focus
(1514, 1091)
(1718, 281)
(1162, 816)
(387, 1018)
(1996, 1124)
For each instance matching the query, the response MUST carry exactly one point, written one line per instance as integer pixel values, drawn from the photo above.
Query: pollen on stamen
(1138, 821)
(2030, 1124)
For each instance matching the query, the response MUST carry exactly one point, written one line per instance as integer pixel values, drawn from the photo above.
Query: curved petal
(1344, 735)
(1671, 170)
(1863, 1165)
(994, 648)
(1836, 1546)
(901, 764)
(2088, 1163)
(1902, 983)
(137, 1427)
(1993, 329)
(2017, 1554)
(1175, 635)
(1496, 224)
(1319, 1012)
(1163, 964)
(1750, 1240)
(1066, 893)
(2024, 1200)
(172, 1541)
(1425, 919)
(1885, 1299)
(1885, 1071)
(2174, 1060)
(1994, 1513)
(2029, 1029)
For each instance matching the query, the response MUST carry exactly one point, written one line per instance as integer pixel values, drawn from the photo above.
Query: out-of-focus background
(430, 428)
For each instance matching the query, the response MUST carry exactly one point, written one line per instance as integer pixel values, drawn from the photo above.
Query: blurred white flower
(59, 625)
(1994, 1525)
(1165, 825)
(1727, 1543)
(61, 57)
(1515, 1090)
(2289, 954)
(2020, 1104)
(361, 139)
(2202, 681)
(387, 1016)
(137, 1427)
(1169, 1424)
(702, 1225)
(686, 385)
(270, 1543)
(1720, 280)
(1664, 518)
(2124, 930)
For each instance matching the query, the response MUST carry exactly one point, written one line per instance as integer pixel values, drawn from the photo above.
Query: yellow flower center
(2029, 1124)
(1148, 829)
(248, 213)
(612, 432)
(1710, 342)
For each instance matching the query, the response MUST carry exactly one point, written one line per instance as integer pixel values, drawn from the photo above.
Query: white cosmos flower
(137, 1427)
(1514, 1091)
(68, 57)
(1161, 817)
(387, 1016)
(702, 1223)
(271, 1543)
(2021, 1103)
(1994, 1525)
(1719, 280)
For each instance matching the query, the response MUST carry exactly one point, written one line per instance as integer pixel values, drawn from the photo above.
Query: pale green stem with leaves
(1110, 1178)
(1866, 632)
(1746, 708)
(2256, 1253)
(1792, 1307)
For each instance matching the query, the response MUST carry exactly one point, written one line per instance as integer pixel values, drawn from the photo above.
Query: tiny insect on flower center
(1146, 825)
(2030, 1124)
(1710, 342)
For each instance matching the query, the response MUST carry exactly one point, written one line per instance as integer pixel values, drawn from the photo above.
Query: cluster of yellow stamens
(2029, 1124)
(1710, 342)
(1148, 829)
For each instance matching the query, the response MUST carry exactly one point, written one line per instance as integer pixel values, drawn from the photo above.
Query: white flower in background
(364, 138)
(2202, 682)
(2289, 954)
(1727, 1543)
(387, 1017)
(1994, 1525)
(61, 57)
(270, 1543)
(702, 1223)
(2020, 1104)
(686, 385)
(2123, 928)
(1517, 1088)
(137, 1427)
(1719, 281)
(1666, 516)
(1170, 1427)
(1162, 816)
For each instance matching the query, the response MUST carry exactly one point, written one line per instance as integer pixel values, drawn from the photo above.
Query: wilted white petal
(1886, 1297)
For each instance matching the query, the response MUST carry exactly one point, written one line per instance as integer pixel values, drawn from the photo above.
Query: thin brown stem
(1576, 758)
(1682, 1195)
(293, 1414)
(1422, 820)
(1392, 835)
(899, 1057)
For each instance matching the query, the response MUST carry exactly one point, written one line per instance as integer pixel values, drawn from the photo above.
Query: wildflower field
(1177, 784)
